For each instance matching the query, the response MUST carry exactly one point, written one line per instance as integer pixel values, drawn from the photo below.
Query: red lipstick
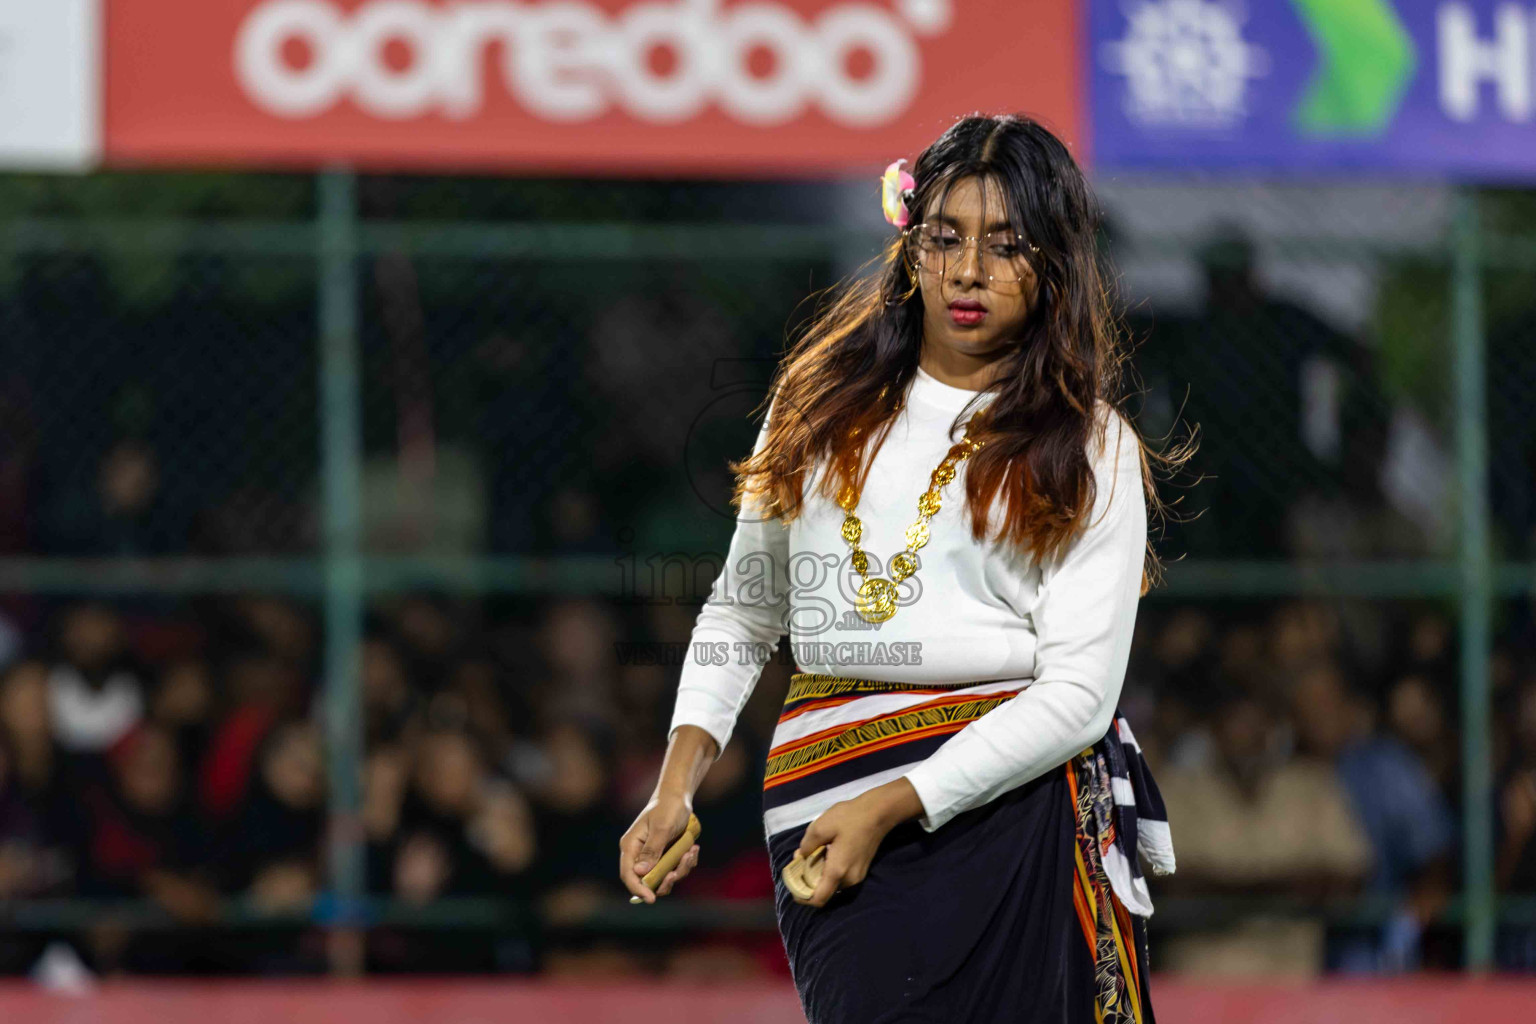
(967, 312)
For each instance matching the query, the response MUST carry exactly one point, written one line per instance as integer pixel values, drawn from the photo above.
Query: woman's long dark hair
(838, 387)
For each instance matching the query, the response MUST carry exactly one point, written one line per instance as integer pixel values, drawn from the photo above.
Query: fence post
(1476, 591)
(341, 488)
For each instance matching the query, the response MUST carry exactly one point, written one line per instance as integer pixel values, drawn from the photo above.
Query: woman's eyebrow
(944, 218)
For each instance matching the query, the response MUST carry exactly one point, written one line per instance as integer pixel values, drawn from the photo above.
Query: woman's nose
(966, 266)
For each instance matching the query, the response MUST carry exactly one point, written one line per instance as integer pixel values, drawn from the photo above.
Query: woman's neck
(957, 369)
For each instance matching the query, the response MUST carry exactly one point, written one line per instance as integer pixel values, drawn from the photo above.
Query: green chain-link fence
(343, 389)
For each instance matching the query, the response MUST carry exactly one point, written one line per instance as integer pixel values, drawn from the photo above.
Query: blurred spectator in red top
(140, 833)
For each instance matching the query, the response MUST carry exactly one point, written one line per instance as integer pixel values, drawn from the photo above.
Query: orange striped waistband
(849, 739)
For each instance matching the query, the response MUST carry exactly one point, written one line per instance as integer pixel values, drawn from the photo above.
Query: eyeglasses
(1003, 258)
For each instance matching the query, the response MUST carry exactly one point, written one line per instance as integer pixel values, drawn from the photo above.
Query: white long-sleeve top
(972, 612)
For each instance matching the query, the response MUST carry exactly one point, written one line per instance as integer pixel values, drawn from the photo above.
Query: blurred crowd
(1309, 753)
(171, 756)
(170, 759)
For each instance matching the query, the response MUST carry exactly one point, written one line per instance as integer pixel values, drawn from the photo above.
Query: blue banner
(1438, 88)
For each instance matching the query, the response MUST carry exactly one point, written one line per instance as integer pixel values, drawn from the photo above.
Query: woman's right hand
(656, 828)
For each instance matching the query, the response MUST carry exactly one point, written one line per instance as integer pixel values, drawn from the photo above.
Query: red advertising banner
(738, 87)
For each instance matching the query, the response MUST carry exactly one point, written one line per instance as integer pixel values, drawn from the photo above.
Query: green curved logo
(1367, 61)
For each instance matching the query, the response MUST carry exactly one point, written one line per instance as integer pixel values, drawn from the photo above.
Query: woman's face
(956, 248)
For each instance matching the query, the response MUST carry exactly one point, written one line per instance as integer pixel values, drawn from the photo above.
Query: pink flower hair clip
(896, 190)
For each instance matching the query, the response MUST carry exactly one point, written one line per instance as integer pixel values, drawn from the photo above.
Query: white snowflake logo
(1185, 62)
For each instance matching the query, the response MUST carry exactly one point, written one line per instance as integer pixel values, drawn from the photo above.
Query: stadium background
(363, 470)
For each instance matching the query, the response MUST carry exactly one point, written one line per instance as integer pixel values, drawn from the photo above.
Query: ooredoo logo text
(760, 62)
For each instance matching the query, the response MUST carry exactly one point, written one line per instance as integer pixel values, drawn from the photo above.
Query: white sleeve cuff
(937, 807)
(691, 710)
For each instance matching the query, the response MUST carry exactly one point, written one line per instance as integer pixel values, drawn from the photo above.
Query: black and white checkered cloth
(1141, 819)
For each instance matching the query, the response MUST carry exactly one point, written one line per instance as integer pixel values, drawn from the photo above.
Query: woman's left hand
(852, 830)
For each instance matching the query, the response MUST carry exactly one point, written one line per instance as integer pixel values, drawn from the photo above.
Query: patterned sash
(1118, 949)
(838, 736)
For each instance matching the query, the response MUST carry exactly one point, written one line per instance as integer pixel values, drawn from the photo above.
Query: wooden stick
(672, 857)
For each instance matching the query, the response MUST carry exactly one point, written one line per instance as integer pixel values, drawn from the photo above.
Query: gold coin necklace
(877, 596)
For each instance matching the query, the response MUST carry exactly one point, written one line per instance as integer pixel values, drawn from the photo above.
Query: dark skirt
(989, 918)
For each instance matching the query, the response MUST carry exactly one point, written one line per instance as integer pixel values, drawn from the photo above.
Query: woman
(952, 735)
